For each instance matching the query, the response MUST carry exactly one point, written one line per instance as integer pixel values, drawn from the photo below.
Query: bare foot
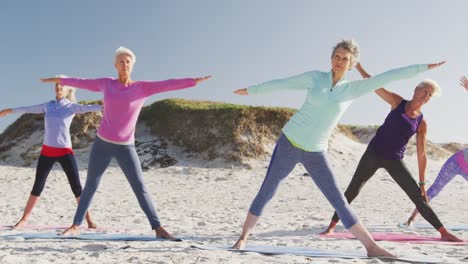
(92, 225)
(378, 251)
(450, 237)
(20, 224)
(409, 222)
(71, 231)
(162, 233)
(328, 231)
(240, 244)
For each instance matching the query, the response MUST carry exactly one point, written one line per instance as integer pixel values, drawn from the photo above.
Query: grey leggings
(284, 159)
(367, 167)
(101, 154)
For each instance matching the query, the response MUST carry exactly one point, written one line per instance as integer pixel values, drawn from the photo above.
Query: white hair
(350, 45)
(437, 90)
(70, 90)
(124, 50)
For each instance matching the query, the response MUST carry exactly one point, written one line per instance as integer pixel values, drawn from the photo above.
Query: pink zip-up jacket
(122, 104)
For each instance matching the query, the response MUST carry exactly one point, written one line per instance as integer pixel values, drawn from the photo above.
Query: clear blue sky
(241, 43)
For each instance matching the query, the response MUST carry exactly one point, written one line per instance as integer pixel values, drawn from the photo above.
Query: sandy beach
(206, 203)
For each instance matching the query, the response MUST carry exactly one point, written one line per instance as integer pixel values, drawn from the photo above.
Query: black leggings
(44, 166)
(367, 167)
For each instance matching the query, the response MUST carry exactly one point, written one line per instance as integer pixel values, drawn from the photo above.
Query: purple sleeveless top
(392, 136)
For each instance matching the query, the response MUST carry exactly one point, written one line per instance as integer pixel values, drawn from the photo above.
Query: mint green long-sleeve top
(311, 126)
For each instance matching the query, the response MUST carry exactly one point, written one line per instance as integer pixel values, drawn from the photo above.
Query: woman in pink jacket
(123, 100)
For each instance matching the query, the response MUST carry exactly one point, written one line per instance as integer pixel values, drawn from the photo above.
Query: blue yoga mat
(86, 236)
(318, 253)
(453, 227)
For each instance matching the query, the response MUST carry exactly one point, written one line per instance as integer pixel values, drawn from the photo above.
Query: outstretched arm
(153, 87)
(33, 109)
(354, 89)
(94, 85)
(422, 157)
(79, 108)
(464, 82)
(392, 98)
(5, 112)
(299, 82)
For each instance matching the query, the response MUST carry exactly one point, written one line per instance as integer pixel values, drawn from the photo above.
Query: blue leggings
(101, 154)
(449, 170)
(284, 159)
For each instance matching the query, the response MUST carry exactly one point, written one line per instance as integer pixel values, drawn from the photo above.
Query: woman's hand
(5, 112)
(241, 91)
(51, 80)
(423, 192)
(361, 71)
(435, 65)
(201, 79)
(464, 82)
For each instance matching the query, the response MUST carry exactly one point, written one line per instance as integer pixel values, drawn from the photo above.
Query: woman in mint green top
(305, 136)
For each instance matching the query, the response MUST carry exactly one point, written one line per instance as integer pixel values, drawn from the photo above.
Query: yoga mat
(397, 237)
(453, 227)
(86, 236)
(317, 253)
(57, 227)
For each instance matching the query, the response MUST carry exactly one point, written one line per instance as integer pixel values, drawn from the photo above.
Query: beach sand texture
(207, 201)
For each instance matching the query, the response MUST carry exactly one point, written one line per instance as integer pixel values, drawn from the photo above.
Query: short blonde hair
(70, 90)
(71, 94)
(124, 50)
(437, 90)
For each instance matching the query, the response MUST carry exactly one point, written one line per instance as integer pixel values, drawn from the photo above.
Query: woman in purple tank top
(387, 148)
(457, 164)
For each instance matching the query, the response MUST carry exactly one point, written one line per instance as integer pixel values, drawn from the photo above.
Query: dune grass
(210, 129)
(233, 132)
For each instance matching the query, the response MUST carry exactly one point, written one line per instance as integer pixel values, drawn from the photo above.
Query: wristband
(422, 183)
